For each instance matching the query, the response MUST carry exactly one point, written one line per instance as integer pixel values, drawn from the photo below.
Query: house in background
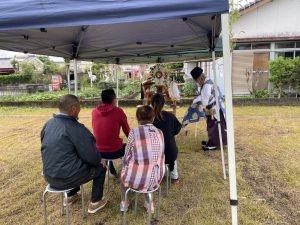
(6, 66)
(265, 30)
(30, 58)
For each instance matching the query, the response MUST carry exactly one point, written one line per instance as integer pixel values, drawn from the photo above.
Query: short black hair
(196, 72)
(66, 101)
(108, 96)
(145, 114)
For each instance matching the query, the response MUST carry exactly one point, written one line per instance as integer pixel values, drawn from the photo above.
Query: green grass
(267, 151)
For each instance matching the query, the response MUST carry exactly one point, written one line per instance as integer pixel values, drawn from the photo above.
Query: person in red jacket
(107, 119)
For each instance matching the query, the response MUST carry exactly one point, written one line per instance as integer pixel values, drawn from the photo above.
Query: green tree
(174, 70)
(99, 70)
(27, 69)
(15, 63)
(50, 67)
(189, 88)
(295, 79)
(281, 73)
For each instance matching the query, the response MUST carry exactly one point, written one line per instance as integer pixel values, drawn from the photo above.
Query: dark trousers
(97, 174)
(213, 132)
(113, 155)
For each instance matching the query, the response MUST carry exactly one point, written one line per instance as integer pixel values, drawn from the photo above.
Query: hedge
(14, 79)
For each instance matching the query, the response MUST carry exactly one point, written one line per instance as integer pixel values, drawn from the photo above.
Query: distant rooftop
(249, 6)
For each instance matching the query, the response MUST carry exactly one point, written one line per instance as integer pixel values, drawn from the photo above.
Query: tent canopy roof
(112, 31)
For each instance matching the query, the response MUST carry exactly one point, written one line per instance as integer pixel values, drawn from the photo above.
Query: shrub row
(15, 79)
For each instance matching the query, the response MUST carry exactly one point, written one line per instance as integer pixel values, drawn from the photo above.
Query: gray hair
(67, 101)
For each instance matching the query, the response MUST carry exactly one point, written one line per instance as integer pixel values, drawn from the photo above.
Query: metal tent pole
(75, 76)
(68, 77)
(218, 112)
(117, 78)
(229, 118)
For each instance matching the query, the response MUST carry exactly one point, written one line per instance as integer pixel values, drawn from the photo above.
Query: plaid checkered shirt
(144, 159)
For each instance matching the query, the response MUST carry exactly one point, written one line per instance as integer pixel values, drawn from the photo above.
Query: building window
(261, 46)
(285, 54)
(298, 44)
(285, 44)
(242, 46)
(297, 54)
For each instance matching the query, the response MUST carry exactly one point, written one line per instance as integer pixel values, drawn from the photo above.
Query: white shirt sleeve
(197, 99)
(205, 94)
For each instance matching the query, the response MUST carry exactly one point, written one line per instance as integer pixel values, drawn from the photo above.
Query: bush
(262, 93)
(295, 79)
(89, 93)
(281, 73)
(106, 85)
(189, 89)
(131, 87)
(15, 79)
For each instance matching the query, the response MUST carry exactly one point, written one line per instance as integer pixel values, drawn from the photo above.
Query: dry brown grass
(267, 150)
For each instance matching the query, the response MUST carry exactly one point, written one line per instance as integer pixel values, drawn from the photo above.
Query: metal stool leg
(67, 208)
(158, 204)
(124, 213)
(82, 201)
(135, 203)
(168, 175)
(108, 171)
(45, 207)
(150, 199)
(62, 204)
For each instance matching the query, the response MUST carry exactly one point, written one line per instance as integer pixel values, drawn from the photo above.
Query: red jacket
(107, 120)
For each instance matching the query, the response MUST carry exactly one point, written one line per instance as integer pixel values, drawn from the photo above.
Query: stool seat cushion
(52, 189)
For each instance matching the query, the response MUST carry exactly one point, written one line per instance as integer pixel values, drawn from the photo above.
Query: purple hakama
(213, 132)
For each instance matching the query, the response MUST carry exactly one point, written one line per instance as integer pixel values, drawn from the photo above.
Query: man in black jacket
(69, 154)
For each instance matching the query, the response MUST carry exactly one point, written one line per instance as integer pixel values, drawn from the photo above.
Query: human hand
(103, 163)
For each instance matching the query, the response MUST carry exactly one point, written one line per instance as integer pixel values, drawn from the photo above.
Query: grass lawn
(268, 173)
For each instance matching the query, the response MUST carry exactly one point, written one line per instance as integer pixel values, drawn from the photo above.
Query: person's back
(69, 154)
(60, 158)
(143, 163)
(170, 126)
(107, 119)
(144, 168)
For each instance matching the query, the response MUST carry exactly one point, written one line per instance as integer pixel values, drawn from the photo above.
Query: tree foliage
(15, 79)
(285, 73)
(50, 67)
(174, 70)
(295, 78)
(99, 70)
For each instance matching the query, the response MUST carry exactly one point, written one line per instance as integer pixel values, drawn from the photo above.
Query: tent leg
(75, 76)
(68, 77)
(218, 113)
(229, 118)
(117, 78)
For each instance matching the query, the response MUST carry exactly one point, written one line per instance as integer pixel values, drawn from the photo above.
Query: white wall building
(266, 29)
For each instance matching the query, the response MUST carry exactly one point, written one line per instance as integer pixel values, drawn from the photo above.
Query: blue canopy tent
(124, 31)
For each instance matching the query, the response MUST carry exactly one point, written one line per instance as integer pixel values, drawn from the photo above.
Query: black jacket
(68, 148)
(170, 126)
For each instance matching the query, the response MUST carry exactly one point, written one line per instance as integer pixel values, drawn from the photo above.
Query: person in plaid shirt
(143, 162)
